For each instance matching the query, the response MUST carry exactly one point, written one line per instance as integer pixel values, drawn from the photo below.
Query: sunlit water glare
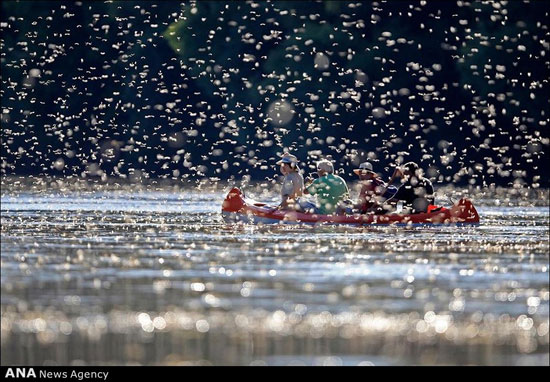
(133, 276)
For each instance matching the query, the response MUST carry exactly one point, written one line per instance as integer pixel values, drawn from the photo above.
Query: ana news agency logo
(29, 372)
(20, 372)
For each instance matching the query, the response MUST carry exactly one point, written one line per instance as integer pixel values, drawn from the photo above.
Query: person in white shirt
(293, 182)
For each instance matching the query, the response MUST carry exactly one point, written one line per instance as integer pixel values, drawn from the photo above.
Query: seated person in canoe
(373, 189)
(330, 190)
(293, 182)
(416, 192)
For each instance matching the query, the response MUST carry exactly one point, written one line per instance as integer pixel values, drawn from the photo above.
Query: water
(152, 276)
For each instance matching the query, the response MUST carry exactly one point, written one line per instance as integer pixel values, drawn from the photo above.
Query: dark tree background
(220, 89)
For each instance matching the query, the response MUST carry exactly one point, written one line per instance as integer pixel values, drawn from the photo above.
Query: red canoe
(236, 207)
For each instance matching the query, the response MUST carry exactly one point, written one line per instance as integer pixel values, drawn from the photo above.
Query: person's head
(288, 163)
(324, 167)
(410, 169)
(365, 171)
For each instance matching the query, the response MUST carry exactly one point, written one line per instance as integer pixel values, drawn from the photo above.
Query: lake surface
(153, 276)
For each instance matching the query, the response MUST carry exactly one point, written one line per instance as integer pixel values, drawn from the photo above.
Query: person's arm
(361, 199)
(307, 182)
(347, 195)
(399, 195)
(285, 199)
(397, 173)
(298, 187)
(389, 202)
(311, 188)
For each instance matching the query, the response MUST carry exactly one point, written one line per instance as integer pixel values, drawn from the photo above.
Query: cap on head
(288, 158)
(325, 165)
(364, 168)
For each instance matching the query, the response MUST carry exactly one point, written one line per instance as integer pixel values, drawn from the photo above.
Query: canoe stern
(234, 201)
(464, 212)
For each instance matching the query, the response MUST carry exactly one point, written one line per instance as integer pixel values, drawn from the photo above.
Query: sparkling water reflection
(140, 276)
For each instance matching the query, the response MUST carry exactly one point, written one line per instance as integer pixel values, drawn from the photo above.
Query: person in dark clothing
(416, 192)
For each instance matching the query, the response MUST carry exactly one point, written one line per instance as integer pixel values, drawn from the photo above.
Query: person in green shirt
(330, 189)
